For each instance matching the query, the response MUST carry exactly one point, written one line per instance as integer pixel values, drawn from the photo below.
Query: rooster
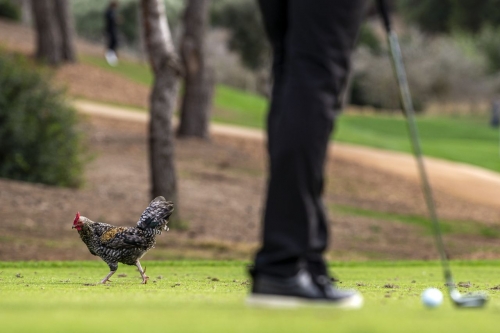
(125, 244)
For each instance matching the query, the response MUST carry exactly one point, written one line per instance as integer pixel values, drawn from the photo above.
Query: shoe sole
(284, 302)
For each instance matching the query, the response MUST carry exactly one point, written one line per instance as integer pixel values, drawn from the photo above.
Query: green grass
(135, 71)
(465, 139)
(207, 296)
(458, 227)
(232, 106)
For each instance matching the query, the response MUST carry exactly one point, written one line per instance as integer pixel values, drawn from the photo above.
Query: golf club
(473, 300)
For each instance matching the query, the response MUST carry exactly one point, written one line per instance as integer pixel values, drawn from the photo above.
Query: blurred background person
(111, 30)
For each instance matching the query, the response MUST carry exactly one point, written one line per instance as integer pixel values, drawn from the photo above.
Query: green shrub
(243, 19)
(438, 70)
(9, 10)
(438, 16)
(429, 15)
(90, 24)
(368, 38)
(129, 27)
(488, 42)
(38, 137)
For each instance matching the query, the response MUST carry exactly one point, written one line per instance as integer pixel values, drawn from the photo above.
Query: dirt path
(468, 182)
(462, 180)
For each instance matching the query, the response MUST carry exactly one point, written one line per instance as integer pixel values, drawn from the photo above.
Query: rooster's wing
(124, 238)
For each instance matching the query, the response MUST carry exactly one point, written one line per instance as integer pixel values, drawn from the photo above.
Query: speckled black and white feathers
(156, 215)
(126, 244)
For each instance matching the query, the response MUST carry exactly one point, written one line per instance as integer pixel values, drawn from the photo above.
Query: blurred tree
(166, 68)
(48, 38)
(198, 75)
(54, 30)
(65, 25)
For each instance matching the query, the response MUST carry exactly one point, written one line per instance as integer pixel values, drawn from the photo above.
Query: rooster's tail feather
(156, 214)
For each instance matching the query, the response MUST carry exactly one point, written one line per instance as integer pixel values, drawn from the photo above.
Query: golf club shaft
(406, 100)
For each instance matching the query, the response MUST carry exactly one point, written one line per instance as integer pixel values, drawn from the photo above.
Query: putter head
(472, 300)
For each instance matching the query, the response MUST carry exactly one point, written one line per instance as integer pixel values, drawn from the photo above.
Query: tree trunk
(64, 22)
(48, 47)
(199, 78)
(161, 140)
(166, 69)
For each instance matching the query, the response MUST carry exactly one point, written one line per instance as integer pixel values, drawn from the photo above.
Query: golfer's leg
(315, 70)
(335, 28)
(322, 40)
(274, 17)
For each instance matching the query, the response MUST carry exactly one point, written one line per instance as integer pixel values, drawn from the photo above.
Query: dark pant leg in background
(112, 41)
(312, 43)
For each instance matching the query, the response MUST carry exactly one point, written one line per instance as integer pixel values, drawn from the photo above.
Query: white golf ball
(432, 297)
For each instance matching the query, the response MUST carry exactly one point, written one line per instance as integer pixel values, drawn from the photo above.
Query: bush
(438, 70)
(243, 19)
(447, 15)
(38, 138)
(129, 27)
(90, 25)
(9, 10)
(430, 15)
(368, 38)
(488, 41)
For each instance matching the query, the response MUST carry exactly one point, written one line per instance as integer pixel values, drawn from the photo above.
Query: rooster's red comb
(77, 217)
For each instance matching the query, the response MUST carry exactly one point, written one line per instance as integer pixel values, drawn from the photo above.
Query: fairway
(208, 296)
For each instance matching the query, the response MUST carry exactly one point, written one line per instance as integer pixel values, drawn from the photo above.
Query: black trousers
(312, 41)
(112, 40)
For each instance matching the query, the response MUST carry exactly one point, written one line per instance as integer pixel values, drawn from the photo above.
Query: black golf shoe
(301, 289)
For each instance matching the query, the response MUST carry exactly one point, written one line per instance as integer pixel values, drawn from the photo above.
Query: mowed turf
(208, 296)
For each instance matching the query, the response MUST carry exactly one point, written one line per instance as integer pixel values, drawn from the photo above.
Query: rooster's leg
(112, 267)
(143, 272)
(106, 279)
